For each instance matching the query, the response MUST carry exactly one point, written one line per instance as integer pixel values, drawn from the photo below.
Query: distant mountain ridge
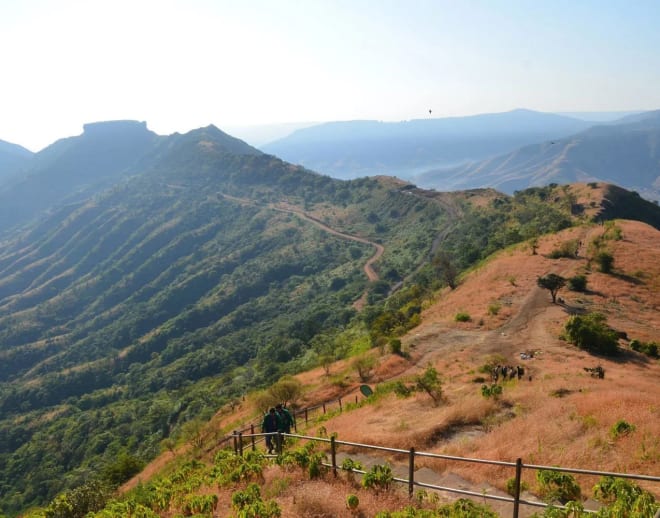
(75, 168)
(352, 149)
(625, 153)
(12, 159)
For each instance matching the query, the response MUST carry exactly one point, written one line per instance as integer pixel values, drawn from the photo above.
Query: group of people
(507, 372)
(278, 419)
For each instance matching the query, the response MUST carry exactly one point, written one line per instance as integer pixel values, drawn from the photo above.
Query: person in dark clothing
(286, 419)
(270, 424)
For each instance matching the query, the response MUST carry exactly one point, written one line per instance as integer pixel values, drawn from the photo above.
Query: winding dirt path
(369, 270)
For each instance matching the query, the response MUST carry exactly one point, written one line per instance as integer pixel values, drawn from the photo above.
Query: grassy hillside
(557, 414)
(128, 318)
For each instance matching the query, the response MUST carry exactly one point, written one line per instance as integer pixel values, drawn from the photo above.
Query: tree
(364, 365)
(429, 382)
(534, 245)
(553, 283)
(445, 269)
(287, 390)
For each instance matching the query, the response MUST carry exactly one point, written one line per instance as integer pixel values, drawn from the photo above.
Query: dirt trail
(368, 268)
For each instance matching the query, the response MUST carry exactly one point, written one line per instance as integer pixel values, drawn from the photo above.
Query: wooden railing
(239, 443)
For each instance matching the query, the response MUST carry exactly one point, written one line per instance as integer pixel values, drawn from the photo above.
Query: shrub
(494, 308)
(511, 486)
(577, 283)
(248, 504)
(401, 389)
(625, 498)
(591, 333)
(378, 477)
(493, 391)
(566, 249)
(605, 261)
(396, 347)
(555, 485)
(621, 428)
(648, 348)
(352, 502)
(462, 317)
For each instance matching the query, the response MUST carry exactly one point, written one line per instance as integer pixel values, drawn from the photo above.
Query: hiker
(270, 424)
(285, 417)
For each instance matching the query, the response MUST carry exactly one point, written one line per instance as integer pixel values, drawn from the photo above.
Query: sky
(181, 65)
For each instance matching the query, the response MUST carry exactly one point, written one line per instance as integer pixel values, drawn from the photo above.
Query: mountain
(74, 168)
(626, 153)
(364, 148)
(13, 158)
(208, 268)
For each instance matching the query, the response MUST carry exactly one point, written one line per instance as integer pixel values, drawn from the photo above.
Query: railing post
(278, 445)
(324, 408)
(411, 473)
(235, 434)
(254, 446)
(240, 443)
(333, 455)
(356, 399)
(306, 423)
(340, 409)
(516, 491)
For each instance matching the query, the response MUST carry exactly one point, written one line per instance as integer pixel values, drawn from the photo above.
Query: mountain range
(507, 151)
(625, 153)
(147, 280)
(365, 148)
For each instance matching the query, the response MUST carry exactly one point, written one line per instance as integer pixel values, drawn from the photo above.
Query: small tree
(326, 361)
(553, 283)
(430, 382)
(445, 269)
(364, 365)
(287, 390)
(534, 245)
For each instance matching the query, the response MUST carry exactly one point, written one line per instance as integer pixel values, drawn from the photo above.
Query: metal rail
(516, 500)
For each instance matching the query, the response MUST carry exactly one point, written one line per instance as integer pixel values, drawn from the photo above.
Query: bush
(555, 485)
(493, 391)
(352, 502)
(511, 486)
(605, 261)
(648, 348)
(621, 428)
(577, 283)
(591, 333)
(378, 477)
(462, 317)
(625, 498)
(566, 249)
(494, 308)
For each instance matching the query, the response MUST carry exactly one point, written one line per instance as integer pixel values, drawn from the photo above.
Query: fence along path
(522, 505)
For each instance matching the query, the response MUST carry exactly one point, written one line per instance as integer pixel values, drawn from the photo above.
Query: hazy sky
(184, 64)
